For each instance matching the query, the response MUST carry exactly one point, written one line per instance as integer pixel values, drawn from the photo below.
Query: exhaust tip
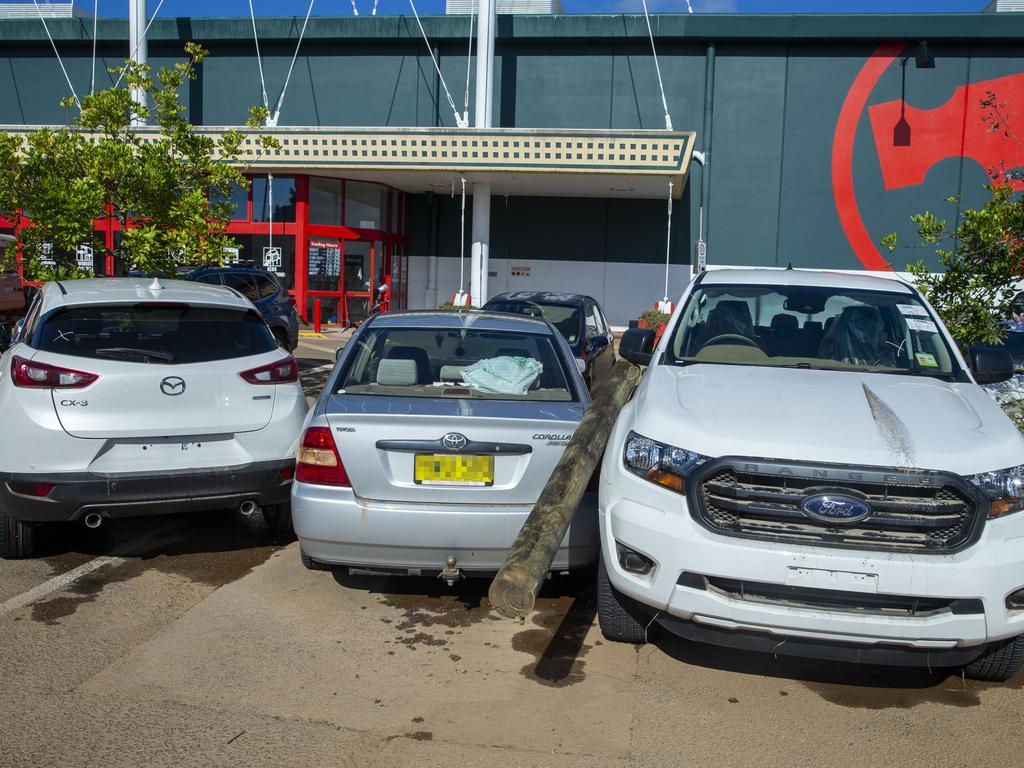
(248, 507)
(93, 520)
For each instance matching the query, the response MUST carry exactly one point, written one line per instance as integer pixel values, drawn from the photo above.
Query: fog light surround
(634, 562)
(1015, 600)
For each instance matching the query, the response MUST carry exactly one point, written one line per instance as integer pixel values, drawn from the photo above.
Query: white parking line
(57, 582)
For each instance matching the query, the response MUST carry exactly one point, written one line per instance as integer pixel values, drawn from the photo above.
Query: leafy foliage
(981, 257)
(449, 305)
(654, 318)
(166, 190)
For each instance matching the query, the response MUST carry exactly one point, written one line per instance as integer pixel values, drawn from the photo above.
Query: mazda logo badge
(453, 441)
(172, 385)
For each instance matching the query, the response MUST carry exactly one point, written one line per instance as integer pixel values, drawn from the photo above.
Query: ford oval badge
(835, 508)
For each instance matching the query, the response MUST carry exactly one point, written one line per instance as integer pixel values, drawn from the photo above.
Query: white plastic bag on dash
(502, 375)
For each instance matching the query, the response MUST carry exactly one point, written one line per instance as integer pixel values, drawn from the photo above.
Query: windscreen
(154, 333)
(811, 327)
(565, 317)
(463, 363)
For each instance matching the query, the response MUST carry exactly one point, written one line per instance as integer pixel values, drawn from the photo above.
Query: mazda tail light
(318, 462)
(279, 372)
(27, 373)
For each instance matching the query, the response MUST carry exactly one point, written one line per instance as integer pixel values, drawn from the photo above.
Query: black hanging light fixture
(923, 59)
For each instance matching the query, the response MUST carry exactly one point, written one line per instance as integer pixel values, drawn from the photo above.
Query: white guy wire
(92, 76)
(57, 53)
(668, 237)
(145, 34)
(259, 59)
(462, 242)
(469, 58)
(280, 99)
(689, 7)
(374, 13)
(458, 118)
(657, 68)
(355, 11)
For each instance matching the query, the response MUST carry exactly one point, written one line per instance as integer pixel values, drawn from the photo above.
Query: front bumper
(335, 526)
(76, 494)
(656, 523)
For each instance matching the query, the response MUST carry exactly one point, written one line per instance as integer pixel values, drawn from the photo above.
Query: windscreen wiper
(144, 355)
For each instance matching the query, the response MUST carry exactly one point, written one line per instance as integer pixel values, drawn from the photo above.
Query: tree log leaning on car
(514, 590)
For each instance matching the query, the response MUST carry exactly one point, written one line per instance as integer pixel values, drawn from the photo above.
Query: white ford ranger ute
(809, 467)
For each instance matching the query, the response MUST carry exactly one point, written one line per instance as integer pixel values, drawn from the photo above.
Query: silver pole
(138, 47)
(482, 190)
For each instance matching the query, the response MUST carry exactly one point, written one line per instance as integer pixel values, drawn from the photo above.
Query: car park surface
(204, 642)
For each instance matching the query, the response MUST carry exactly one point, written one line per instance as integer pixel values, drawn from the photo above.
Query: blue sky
(425, 7)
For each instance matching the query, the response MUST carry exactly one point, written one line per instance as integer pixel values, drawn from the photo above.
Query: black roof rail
(63, 290)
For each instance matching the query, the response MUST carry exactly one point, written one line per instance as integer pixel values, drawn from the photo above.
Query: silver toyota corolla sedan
(431, 441)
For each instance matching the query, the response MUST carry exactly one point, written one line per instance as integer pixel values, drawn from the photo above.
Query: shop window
(239, 200)
(256, 251)
(325, 201)
(365, 205)
(284, 199)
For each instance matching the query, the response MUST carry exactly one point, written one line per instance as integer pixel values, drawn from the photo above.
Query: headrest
(451, 372)
(783, 322)
(396, 373)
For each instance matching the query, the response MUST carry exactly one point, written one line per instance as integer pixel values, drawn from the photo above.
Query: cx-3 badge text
(172, 385)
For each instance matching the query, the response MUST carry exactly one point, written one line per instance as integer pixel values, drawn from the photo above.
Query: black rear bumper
(881, 654)
(75, 495)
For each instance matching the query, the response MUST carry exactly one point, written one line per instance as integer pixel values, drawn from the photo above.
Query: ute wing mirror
(637, 345)
(990, 365)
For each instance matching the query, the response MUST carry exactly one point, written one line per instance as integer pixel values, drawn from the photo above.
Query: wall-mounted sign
(324, 257)
(272, 258)
(519, 270)
(231, 256)
(83, 256)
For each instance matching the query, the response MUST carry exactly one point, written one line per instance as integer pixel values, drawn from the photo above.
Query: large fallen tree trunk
(514, 590)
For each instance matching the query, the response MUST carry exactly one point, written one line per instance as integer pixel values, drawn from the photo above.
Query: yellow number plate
(454, 469)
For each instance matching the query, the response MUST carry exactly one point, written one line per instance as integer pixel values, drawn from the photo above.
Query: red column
(301, 241)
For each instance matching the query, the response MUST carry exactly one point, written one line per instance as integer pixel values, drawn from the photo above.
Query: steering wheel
(730, 337)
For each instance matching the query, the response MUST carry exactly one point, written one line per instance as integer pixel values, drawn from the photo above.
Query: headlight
(1005, 488)
(665, 465)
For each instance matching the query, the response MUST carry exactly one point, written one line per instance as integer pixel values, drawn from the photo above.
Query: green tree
(981, 257)
(173, 186)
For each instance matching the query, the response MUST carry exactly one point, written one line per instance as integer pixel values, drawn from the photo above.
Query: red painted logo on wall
(955, 129)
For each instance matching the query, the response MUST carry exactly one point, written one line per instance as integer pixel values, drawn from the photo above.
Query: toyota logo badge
(172, 386)
(453, 441)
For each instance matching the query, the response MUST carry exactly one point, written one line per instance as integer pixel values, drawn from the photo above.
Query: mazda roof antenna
(155, 285)
(790, 265)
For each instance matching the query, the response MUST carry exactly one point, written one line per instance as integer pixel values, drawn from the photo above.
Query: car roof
(123, 290)
(541, 297)
(805, 277)
(457, 319)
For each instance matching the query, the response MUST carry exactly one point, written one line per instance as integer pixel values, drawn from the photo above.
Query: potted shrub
(655, 319)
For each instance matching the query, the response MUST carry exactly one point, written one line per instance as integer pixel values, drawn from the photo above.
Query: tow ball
(450, 573)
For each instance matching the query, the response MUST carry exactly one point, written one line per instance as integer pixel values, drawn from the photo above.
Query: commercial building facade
(821, 134)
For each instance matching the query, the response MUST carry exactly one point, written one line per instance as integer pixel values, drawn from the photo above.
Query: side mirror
(637, 345)
(581, 365)
(990, 364)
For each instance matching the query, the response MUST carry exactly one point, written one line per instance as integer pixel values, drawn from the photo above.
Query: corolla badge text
(835, 508)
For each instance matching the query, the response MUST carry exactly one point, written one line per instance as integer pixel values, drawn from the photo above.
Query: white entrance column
(137, 46)
(482, 119)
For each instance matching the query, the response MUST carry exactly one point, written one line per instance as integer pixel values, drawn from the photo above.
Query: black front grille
(911, 511)
(838, 600)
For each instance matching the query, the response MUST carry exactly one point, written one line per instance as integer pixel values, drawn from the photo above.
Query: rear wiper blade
(129, 353)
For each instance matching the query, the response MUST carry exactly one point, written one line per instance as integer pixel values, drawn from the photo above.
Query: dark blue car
(577, 317)
(266, 291)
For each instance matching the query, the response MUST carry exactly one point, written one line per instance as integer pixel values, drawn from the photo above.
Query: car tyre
(17, 538)
(311, 564)
(622, 619)
(999, 663)
(278, 517)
